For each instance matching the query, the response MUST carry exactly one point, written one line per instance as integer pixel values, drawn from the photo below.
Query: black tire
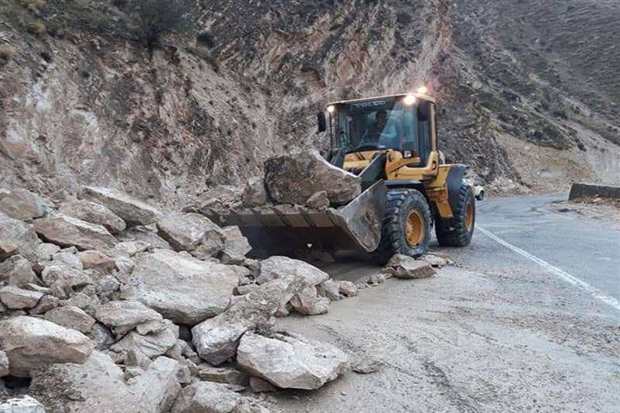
(400, 205)
(458, 231)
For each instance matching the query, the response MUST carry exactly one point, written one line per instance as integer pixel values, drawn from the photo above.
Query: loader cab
(359, 129)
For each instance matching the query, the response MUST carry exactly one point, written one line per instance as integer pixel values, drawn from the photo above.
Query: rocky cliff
(527, 89)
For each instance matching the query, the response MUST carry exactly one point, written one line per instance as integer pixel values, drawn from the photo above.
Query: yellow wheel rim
(469, 216)
(415, 230)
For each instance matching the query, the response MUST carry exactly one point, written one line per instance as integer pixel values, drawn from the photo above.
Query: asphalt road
(524, 321)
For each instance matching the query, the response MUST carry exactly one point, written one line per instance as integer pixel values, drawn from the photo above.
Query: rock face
(181, 288)
(254, 193)
(22, 204)
(294, 178)
(290, 362)
(32, 342)
(98, 386)
(94, 213)
(67, 231)
(24, 404)
(216, 338)
(17, 237)
(191, 231)
(133, 211)
(403, 266)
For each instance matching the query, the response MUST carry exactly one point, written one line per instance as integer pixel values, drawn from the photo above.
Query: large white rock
(18, 298)
(279, 267)
(290, 361)
(132, 210)
(406, 267)
(153, 344)
(124, 316)
(295, 177)
(71, 317)
(22, 204)
(94, 213)
(23, 404)
(63, 279)
(17, 271)
(182, 288)
(98, 386)
(216, 339)
(33, 342)
(308, 302)
(67, 231)
(236, 246)
(19, 237)
(189, 231)
(206, 397)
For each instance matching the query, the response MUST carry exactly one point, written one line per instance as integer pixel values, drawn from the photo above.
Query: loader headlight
(409, 100)
(423, 90)
(331, 108)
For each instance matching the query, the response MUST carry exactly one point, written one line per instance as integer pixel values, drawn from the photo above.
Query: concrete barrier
(591, 190)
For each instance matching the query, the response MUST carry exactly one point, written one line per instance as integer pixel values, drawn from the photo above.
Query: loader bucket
(286, 228)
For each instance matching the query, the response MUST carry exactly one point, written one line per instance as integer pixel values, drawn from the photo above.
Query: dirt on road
(468, 340)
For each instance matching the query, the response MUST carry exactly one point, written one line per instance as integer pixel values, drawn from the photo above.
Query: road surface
(525, 321)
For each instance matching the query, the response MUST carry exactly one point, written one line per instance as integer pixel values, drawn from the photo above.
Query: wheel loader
(390, 143)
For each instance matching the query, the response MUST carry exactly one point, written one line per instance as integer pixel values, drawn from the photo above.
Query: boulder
(189, 231)
(236, 246)
(216, 339)
(71, 317)
(130, 209)
(290, 361)
(227, 375)
(45, 251)
(7, 250)
(124, 316)
(33, 342)
(277, 267)
(4, 364)
(98, 386)
(145, 234)
(182, 288)
(319, 201)
(151, 344)
(22, 204)
(128, 249)
(63, 280)
(295, 177)
(22, 404)
(209, 398)
(308, 302)
(254, 193)
(17, 271)
(259, 385)
(435, 260)
(94, 213)
(330, 289)
(96, 260)
(347, 288)
(17, 237)
(406, 267)
(67, 231)
(18, 299)
(69, 257)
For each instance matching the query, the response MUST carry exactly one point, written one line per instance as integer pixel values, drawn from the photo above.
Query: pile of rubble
(109, 304)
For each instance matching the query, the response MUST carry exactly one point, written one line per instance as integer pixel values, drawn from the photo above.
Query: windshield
(379, 124)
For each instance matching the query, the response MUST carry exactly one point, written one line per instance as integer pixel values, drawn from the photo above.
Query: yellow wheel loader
(390, 142)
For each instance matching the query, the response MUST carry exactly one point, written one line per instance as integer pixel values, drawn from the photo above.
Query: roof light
(423, 90)
(331, 108)
(409, 100)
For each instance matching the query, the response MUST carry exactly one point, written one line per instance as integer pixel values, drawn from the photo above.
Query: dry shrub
(7, 52)
(37, 27)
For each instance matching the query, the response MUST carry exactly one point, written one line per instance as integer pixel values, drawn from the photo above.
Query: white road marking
(571, 279)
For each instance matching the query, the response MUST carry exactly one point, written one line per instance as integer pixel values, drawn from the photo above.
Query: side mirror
(322, 121)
